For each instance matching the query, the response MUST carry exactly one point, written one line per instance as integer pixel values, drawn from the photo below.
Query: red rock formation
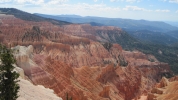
(93, 32)
(106, 92)
(165, 90)
(91, 82)
(99, 82)
(65, 60)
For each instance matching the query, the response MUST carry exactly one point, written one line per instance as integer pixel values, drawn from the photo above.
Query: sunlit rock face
(165, 90)
(28, 91)
(93, 54)
(89, 80)
(24, 58)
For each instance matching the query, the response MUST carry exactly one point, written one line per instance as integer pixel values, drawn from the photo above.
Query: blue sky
(155, 10)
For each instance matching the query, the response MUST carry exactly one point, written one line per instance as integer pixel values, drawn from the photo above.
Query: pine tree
(8, 77)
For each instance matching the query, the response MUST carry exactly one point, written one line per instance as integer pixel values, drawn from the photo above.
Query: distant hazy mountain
(29, 17)
(71, 16)
(127, 24)
(172, 23)
(156, 37)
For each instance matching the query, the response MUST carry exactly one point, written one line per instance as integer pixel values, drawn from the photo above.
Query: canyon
(78, 60)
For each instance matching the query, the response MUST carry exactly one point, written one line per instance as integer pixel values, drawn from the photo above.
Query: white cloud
(54, 2)
(135, 8)
(158, 10)
(95, 0)
(173, 1)
(113, 0)
(130, 1)
(177, 11)
(5, 1)
(21, 1)
(35, 2)
(82, 9)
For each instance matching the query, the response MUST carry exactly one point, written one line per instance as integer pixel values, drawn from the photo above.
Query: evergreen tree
(8, 77)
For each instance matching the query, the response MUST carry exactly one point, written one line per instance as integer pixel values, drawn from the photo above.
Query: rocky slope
(100, 82)
(165, 90)
(28, 91)
(69, 59)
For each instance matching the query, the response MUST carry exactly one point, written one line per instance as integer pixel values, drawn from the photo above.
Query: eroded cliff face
(69, 59)
(29, 91)
(102, 33)
(88, 80)
(166, 89)
(93, 54)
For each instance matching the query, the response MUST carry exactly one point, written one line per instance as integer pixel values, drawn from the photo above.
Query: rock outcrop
(28, 91)
(24, 57)
(165, 90)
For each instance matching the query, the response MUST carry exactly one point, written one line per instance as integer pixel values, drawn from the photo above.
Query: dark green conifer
(8, 77)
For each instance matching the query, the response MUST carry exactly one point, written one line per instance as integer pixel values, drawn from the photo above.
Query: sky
(154, 10)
